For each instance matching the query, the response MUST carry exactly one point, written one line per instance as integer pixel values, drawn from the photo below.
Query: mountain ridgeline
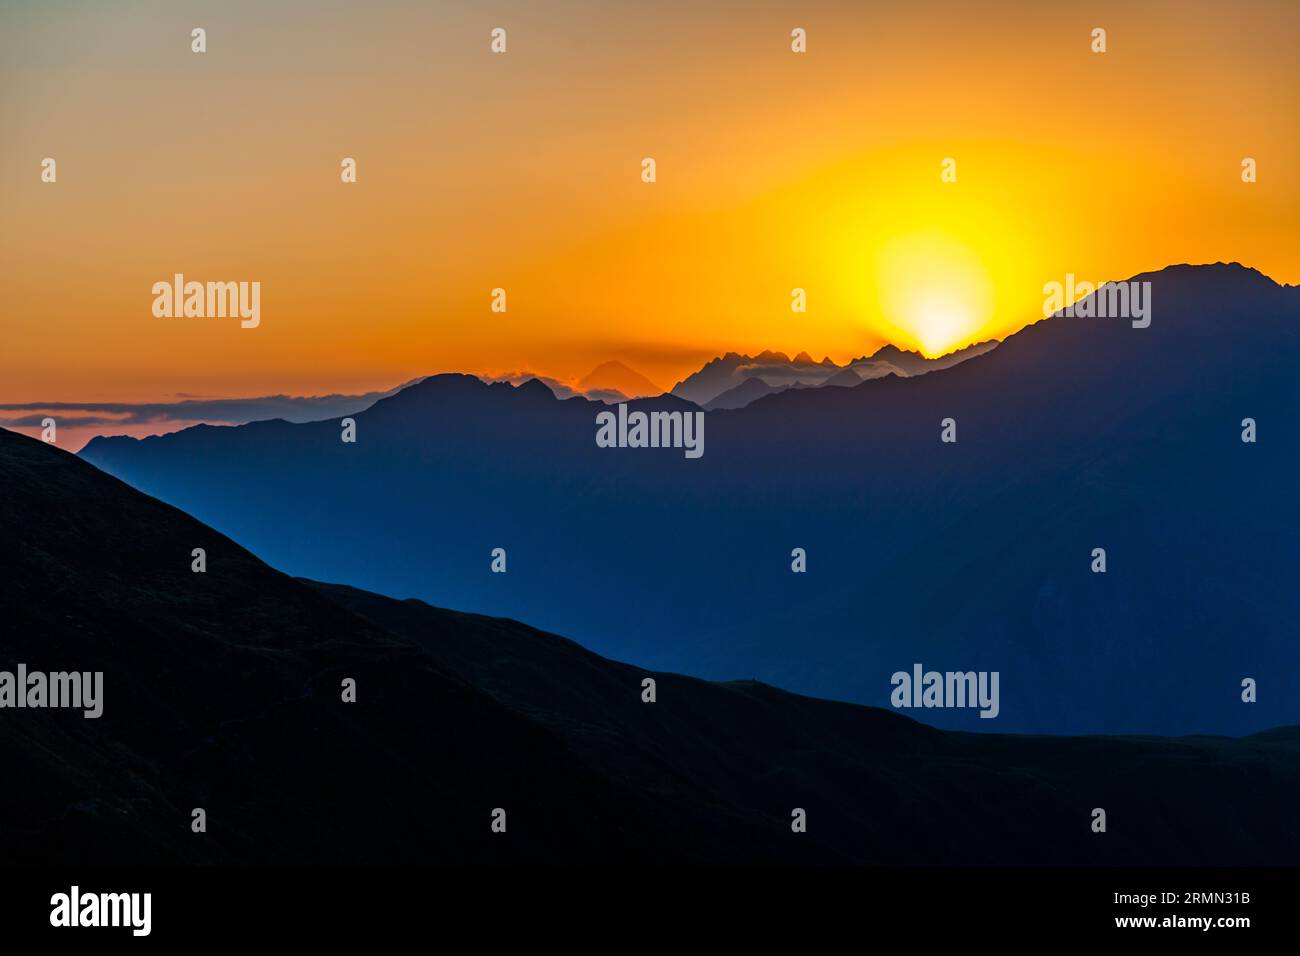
(733, 380)
(221, 691)
(1072, 435)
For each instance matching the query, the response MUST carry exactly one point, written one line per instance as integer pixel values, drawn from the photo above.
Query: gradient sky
(523, 171)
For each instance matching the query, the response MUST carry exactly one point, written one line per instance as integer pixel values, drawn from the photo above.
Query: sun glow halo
(934, 289)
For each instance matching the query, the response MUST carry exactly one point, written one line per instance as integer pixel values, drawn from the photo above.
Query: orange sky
(522, 170)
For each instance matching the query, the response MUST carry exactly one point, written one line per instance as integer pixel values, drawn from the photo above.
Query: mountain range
(734, 380)
(727, 381)
(222, 692)
(1073, 434)
(610, 382)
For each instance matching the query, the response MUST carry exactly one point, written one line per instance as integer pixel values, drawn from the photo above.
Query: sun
(934, 290)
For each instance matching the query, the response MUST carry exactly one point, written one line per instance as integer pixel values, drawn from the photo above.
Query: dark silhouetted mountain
(1073, 434)
(222, 691)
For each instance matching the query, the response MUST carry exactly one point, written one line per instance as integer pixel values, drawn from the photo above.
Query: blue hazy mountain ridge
(1073, 434)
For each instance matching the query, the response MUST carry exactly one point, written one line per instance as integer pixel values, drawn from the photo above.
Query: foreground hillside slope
(222, 690)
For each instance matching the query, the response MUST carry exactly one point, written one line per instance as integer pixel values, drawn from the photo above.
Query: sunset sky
(775, 171)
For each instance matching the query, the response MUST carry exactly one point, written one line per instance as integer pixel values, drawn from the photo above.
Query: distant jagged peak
(617, 376)
(889, 350)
